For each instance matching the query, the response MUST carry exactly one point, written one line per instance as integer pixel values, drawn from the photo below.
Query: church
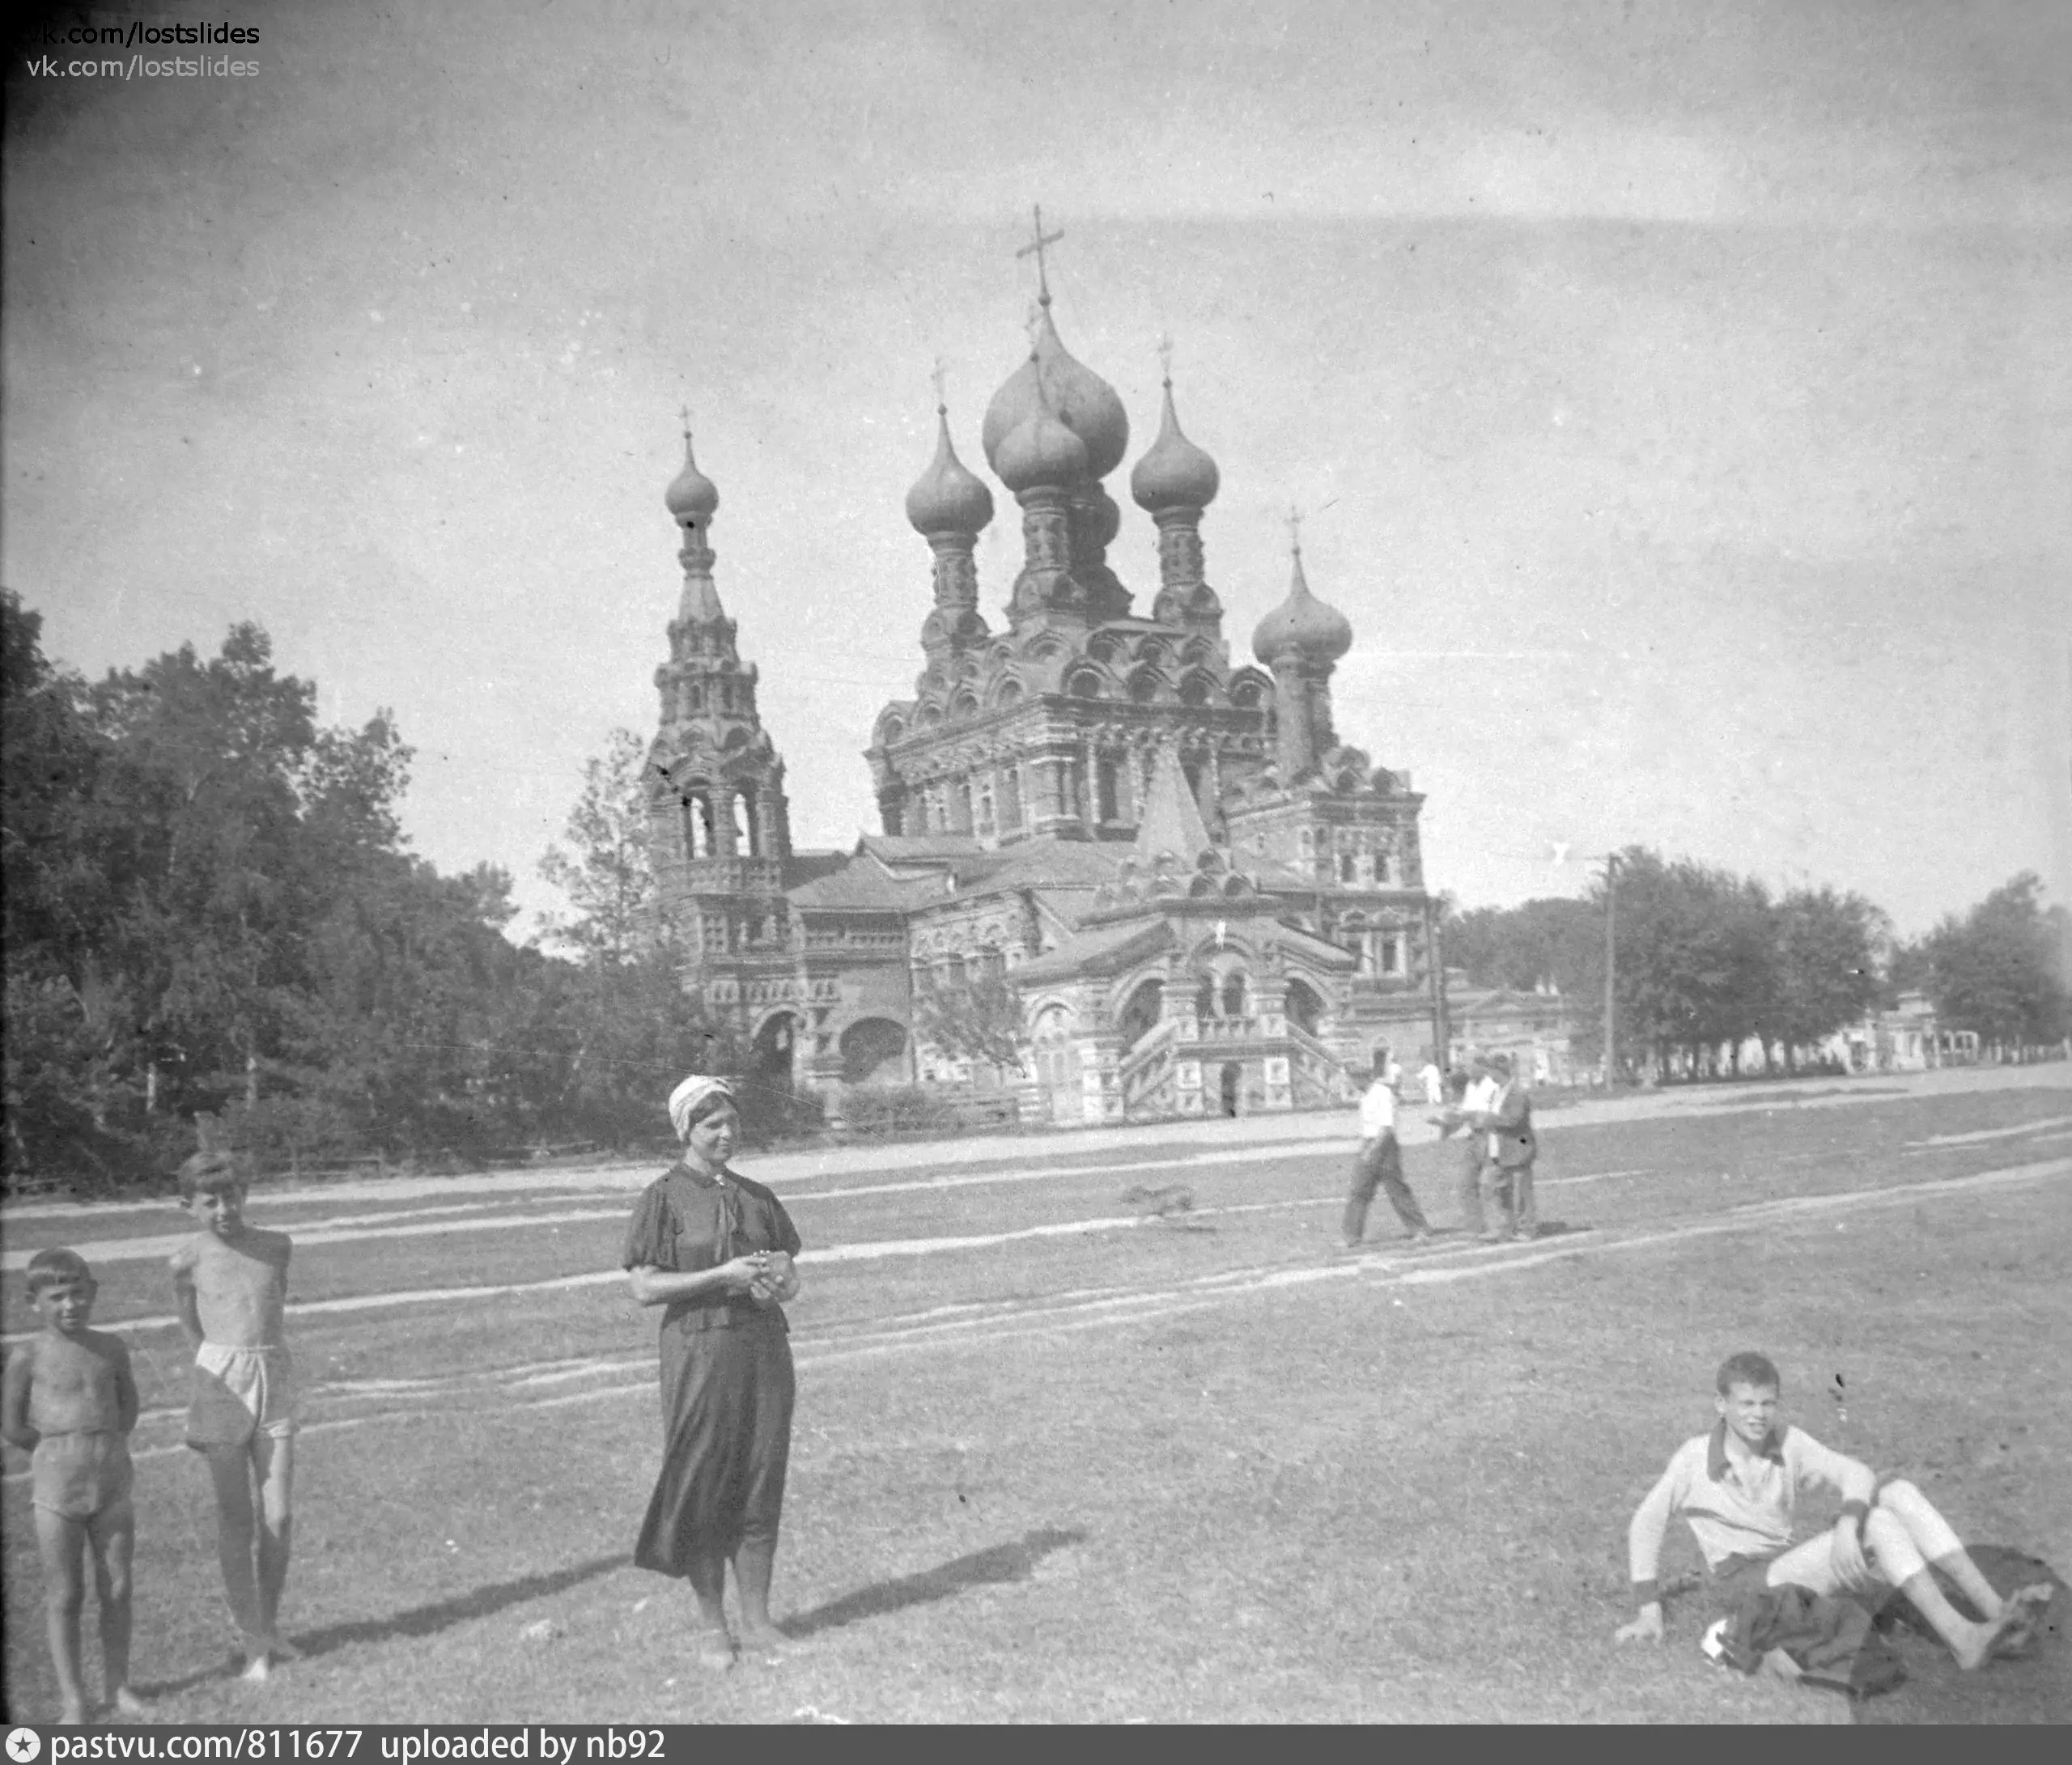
(1118, 877)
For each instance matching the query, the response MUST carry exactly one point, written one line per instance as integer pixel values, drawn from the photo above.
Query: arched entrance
(874, 1052)
(772, 1052)
(1227, 1087)
(1305, 1009)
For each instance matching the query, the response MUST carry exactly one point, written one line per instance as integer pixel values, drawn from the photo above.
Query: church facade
(1118, 873)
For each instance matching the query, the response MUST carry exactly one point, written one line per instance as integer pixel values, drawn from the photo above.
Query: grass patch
(1262, 1485)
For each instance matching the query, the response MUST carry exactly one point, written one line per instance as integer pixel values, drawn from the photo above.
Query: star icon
(23, 1745)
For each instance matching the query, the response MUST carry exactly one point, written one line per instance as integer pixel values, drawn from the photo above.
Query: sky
(1678, 397)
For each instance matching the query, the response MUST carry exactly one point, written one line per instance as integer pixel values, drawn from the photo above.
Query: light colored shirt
(1377, 1111)
(1434, 1083)
(1739, 1502)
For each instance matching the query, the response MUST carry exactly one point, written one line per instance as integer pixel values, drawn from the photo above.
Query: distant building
(1535, 1028)
(1907, 1038)
(1197, 898)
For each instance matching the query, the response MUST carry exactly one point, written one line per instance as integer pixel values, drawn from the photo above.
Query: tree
(1826, 969)
(1559, 940)
(608, 877)
(978, 1018)
(1997, 970)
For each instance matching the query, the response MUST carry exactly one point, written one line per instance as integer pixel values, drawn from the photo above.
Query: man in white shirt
(1434, 1082)
(1480, 1098)
(1380, 1165)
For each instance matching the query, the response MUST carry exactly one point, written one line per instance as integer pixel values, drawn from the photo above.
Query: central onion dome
(946, 498)
(1077, 398)
(691, 495)
(1302, 625)
(1040, 451)
(1174, 473)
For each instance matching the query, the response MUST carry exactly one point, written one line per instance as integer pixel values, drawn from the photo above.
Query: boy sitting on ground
(1736, 1486)
(231, 1283)
(69, 1400)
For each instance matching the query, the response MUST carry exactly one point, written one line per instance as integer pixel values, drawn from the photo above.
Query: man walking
(1379, 1164)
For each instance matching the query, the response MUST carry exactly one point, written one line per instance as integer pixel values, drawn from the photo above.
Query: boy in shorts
(1735, 1486)
(229, 1281)
(69, 1399)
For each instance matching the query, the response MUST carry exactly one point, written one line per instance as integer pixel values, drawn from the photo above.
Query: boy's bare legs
(230, 1470)
(59, 1540)
(1907, 1534)
(273, 1468)
(111, 1536)
(708, 1582)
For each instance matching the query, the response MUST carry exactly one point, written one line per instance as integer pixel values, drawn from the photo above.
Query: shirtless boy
(1736, 1486)
(231, 1283)
(69, 1399)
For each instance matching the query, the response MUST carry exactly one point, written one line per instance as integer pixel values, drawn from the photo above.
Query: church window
(986, 823)
(1010, 803)
(960, 807)
(1144, 686)
(1194, 690)
(745, 832)
(1234, 995)
(1084, 685)
(1380, 866)
(1349, 867)
(697, 825)
(1307, 841)
(694, 697)
(1391, 952)
(1105, 808)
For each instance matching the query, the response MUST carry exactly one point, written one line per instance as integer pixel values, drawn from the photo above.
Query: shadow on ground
(996, 1564)
(2035, 1685)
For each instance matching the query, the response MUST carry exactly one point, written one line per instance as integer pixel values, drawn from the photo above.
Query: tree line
(1706, 963)
(213, 927)
(211, 918)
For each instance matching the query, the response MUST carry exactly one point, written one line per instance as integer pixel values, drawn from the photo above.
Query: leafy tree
(1825, 972)
(1559, 940)
(978, 1019)
(1997, 969)
(608, 876)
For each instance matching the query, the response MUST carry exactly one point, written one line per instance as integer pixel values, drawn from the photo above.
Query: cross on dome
(1036, 250)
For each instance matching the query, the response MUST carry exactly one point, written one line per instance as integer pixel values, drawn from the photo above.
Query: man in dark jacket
(1510, 1147)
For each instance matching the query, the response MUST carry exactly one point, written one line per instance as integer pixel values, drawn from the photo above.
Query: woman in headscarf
(716, 1251)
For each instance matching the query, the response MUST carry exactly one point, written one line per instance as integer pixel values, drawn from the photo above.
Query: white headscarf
(692, 1091)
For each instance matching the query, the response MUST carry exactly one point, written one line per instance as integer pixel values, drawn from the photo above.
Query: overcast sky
(1680, 395)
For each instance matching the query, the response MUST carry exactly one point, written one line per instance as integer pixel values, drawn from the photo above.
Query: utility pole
(1611, 965)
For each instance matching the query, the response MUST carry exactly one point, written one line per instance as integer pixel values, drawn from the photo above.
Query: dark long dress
(727, 1380)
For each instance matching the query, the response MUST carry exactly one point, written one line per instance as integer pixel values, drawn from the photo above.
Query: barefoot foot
(72, 1715)
(127, 1703)
(715, 1651)
(2009, 1633)
(767, 1643)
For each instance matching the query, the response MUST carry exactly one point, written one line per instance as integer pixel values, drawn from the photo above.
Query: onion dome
(1041, 451)
(1302, 624)
(946, 498)
(1174, 473)
(1104, 520)
(1077, 397)
(691, 495)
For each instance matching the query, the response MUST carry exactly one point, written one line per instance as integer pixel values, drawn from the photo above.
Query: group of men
(1494, 1109)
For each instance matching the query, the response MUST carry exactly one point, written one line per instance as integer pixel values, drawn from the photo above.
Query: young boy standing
(69, 1399)
(231, 1284)
(1736, 1487)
